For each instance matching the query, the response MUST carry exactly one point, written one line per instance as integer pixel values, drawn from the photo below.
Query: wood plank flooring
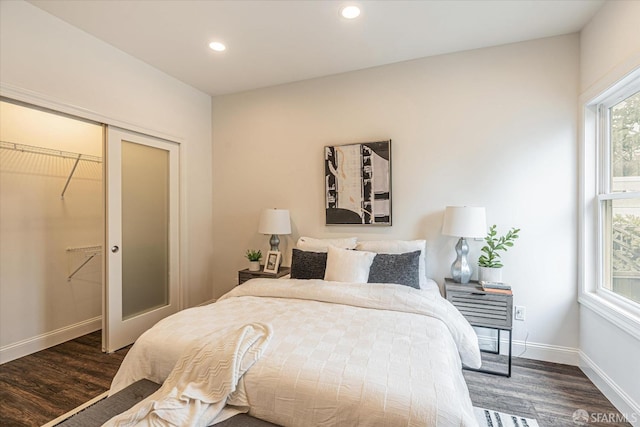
(548, 392)
(40, 387)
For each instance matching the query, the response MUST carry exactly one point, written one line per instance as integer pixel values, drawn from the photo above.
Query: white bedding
(205, 378)
(340, 354)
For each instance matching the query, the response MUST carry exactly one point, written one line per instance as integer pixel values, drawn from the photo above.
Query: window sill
(626, 319)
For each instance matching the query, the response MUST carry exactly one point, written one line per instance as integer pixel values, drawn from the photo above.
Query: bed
(339, 353)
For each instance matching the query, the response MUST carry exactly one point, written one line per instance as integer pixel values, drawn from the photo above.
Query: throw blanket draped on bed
(347, 354)
(206, 377)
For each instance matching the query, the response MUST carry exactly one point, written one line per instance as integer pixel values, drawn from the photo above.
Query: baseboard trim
(546, 353)
(532, 350)
(40, 342)
(621, 400)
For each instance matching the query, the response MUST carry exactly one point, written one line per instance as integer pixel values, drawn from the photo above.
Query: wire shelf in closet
(90, 251)
(48, 151)
(56, 153)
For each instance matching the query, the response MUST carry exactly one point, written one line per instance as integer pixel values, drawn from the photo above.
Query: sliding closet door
(141, 253)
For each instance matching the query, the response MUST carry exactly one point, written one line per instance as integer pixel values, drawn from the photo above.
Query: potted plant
(254, 259)
(489, 263)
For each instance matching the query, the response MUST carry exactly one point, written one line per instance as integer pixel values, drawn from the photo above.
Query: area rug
(77, 410)
(491, 418)
(485, 417)
(100, 409)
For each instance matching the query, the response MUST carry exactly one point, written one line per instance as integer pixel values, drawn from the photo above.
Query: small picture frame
(272, 262)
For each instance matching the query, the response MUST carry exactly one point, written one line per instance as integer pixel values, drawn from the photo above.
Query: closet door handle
(115, 249)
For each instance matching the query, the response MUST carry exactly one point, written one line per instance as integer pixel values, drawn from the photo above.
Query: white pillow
(321, 245)
(399, 247)
(348, 266)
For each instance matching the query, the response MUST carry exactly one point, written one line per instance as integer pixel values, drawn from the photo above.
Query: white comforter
(340, 354)
(203, 381)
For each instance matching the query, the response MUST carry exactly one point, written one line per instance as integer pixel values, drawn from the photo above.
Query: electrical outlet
(520, 312)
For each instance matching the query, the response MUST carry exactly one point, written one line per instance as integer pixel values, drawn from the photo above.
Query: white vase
(254, 265)
(488, 274)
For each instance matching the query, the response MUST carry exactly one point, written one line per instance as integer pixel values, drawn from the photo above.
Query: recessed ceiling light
(350, 12)
(217, 46)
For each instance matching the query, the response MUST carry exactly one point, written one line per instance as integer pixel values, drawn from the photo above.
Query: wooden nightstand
(484, 309)
(244, 275)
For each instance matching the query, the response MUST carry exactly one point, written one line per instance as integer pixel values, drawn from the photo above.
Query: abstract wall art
(358, 183)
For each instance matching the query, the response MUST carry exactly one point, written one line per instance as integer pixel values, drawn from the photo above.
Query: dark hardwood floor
(40, 387)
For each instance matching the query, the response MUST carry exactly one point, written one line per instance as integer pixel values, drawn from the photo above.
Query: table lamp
(274, 222)
(462, 222)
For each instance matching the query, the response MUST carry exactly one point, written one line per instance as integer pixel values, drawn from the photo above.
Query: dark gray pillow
(308, 265)
(403, 269)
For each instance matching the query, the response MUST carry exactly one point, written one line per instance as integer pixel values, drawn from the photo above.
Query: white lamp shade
(465, 221)
(275, 221)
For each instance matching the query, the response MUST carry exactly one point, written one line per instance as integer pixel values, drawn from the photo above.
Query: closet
(51, 228)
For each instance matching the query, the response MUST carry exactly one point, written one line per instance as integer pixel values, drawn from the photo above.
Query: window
(619, 193)
(609, 199)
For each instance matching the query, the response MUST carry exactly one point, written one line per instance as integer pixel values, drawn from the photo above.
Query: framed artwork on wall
(357, 181)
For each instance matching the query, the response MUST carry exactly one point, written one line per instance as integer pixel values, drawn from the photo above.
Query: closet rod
(48, 151)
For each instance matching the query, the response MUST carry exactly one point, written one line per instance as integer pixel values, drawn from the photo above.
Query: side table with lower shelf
(244, 275)
(485, 309)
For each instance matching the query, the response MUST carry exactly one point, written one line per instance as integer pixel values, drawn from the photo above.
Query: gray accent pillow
(403, 269)
(308, 265)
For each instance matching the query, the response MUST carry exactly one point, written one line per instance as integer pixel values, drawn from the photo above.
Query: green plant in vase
(489, 262)
(254, 259)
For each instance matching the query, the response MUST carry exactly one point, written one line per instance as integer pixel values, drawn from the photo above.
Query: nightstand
(485, 309)
(244, 275)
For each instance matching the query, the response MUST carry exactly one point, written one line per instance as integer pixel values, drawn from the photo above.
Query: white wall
(610, 44)
(38, 226)
(610, 40)
(47, 58)
(492, 127)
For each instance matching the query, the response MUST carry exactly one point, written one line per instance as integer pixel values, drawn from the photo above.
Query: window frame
(595, 191)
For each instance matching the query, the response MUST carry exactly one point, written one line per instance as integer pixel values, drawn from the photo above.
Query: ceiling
(274, 42)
